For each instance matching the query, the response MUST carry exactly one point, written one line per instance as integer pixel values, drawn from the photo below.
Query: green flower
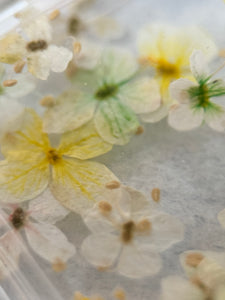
(110, 94)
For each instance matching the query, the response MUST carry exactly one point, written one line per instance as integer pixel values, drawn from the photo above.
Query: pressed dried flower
(129, 237)
(197, 100)
(32, 164)
(111, 95)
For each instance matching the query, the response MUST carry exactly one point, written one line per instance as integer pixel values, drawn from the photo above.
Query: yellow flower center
(167, 69)
(53, 156)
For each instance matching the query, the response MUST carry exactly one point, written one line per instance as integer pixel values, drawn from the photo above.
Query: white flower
(40, 54)
(197, 99)
(206, 273)
(128, 234)
(38, 221)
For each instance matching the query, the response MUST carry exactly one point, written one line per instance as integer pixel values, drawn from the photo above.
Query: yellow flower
(167, 49)
(32, 164)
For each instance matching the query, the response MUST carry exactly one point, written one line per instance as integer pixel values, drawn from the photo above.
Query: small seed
(112, 185)
(140, 130)
(54, 14)
(58, 265)
(144, 226)
(194, 259)
(47, 101)
(119, 294)
(10, 82)
(102, 268)
(156, 194)
(104, 207)
(77, 47)
(18, 67)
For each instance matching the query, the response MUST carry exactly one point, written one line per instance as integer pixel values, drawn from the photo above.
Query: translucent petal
(71, 110)
(166, 231)
(138, 260)
(59, 58)
(78, 185)
(23, 179)
(179, 90)
(25, 85)
(39, 64)
(116, 66)
(175, 287)
(115, 122)
(11, 115)
(49, 242)
(83, 143)
(107, 28)
(101, 250)
(12, 48)
(221, 218)
(45, 208)
(216, 120)
(182, 117)
(142, 95)
(157, 115)
(29, 139)
(198, 65)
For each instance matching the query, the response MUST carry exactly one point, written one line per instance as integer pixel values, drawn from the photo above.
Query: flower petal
(12, 48)
(101, 250)
(157, 115)
(198, 65)
(79, 184)
(83, 143)
(49, 242)
(138, 260)
(142, 95)
(71, 110)
(182, 117)
(115, 122)
(45, 208)
(39, 64)
(179, 90)
(175, 287)
(25, 85)
(116, 66)
(216, 119)
(59, 58)
(166, 231)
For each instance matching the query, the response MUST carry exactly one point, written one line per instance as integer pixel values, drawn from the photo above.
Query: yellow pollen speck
(58, 265)
(54, 14)
(194, 259)
(77, 47)
(156, 194)
(47, 101)
(102, 268)
(144, 226)
(119, 294)
(10, 82)
(53, 156)
(18, 67)
(112, 185)
(104, 207)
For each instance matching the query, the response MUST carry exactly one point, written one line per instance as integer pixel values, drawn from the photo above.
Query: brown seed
(18, 67)
(48, 101)
(10, 82)
(102, 268)
(37, 45)
(156, 194)
(140, 130)
(58, 265)
(104, 207)
(144, 226)
(127, 232)
(54, 14)
(119, 294)
(194, 259)
(112, 185)
(77, 47)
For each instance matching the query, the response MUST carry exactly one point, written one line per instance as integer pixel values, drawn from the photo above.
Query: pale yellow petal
(78, 185)
(83, 143)
(12, 48)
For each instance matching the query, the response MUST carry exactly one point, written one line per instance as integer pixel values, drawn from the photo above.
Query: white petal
(138, 260)
(142, 95)
(25, 85)
(179, 90)
(49, 242)
(11, 115)
(101, 250)
(175, 287)
(39, 64)
(221, 218)
(166, 231)
(157, 115)
(59, 58)
(45, 208)
(216, 120)
(198, 65)
(182, 117)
